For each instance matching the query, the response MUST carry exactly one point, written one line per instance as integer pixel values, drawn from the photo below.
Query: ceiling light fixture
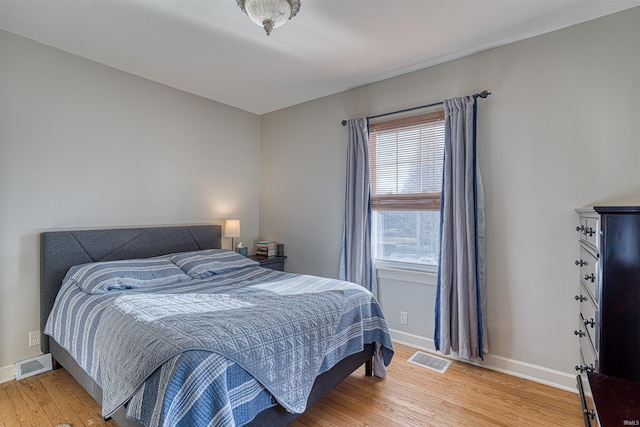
(270, 14)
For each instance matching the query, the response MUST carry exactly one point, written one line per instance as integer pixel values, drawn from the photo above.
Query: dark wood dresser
(609, 298)
(610, 401)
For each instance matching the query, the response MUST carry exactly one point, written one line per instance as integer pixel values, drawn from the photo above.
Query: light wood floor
(465, 395)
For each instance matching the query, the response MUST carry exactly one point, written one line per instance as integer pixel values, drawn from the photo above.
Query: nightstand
(273, 262)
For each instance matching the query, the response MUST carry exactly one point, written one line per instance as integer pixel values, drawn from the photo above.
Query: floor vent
(33, 366)
(430, 362)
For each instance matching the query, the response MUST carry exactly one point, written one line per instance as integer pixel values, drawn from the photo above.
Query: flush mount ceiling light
(270, 14)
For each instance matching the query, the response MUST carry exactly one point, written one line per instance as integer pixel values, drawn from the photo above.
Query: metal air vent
(30, 367)
(430, 362)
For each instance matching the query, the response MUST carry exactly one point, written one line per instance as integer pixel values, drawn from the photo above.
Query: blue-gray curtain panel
(461, 288)
(356, 263)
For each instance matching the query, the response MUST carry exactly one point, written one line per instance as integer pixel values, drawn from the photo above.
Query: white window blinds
(406, 159)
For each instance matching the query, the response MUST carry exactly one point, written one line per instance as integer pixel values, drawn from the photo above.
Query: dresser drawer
(588, 355)
(591, 322)
(589, 273)
(589, 230)
(586, 399)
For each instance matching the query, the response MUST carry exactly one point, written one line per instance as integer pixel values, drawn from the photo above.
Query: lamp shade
(232, 228)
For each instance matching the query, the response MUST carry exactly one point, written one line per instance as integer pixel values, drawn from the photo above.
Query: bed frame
(60, 250)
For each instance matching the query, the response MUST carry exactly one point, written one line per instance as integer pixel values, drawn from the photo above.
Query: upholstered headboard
(60, 250)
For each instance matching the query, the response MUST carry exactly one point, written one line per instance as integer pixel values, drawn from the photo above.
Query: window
(406, 161)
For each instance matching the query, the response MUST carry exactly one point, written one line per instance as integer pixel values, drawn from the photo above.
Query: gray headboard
(60, 250)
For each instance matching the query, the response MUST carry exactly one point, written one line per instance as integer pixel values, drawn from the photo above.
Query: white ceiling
(210, 48)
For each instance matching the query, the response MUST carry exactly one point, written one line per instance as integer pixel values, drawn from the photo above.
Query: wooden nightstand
(274, 262)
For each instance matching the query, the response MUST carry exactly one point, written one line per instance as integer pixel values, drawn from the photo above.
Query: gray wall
(84, 145)
(559, 132)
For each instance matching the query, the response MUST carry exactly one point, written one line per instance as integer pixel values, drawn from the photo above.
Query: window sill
(408, 266)
(406, 272)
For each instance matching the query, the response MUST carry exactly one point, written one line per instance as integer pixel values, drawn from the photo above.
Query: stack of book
(266, 248)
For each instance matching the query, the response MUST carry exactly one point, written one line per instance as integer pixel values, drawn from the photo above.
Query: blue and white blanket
(273, 337)
(202, 387)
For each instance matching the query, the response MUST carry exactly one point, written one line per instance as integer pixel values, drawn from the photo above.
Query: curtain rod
(482, 94)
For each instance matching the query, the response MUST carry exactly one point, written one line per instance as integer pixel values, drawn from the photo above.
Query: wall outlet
(34, 338)
(404, 318)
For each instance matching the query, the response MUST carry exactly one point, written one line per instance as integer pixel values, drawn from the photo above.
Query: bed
(248, 401)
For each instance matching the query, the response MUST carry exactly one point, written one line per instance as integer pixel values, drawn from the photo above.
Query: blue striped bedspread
(199, 387)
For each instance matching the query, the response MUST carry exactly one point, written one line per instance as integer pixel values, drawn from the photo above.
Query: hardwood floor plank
(8, 416)
(68, 415)
(19, 405)
(466, 395)
(35, 403)
(85, 408)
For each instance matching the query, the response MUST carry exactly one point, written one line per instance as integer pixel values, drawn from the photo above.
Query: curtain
(461, 287)
(356, 264)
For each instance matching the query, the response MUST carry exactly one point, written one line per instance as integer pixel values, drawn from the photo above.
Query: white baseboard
(7, 373)
(527, 371)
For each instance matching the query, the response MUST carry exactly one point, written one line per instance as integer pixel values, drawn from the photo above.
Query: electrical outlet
(34, 338)
(403, 317)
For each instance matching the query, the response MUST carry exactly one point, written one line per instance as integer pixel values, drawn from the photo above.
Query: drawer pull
(589, 232)
(580, 229)
(579, 333)
(590, 322)
(591, 277)
(585, 368)
(591, 413)
(581, 263)
(581, 298)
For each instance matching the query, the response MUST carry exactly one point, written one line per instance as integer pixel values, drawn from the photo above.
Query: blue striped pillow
(206, 263)
(101, 277)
